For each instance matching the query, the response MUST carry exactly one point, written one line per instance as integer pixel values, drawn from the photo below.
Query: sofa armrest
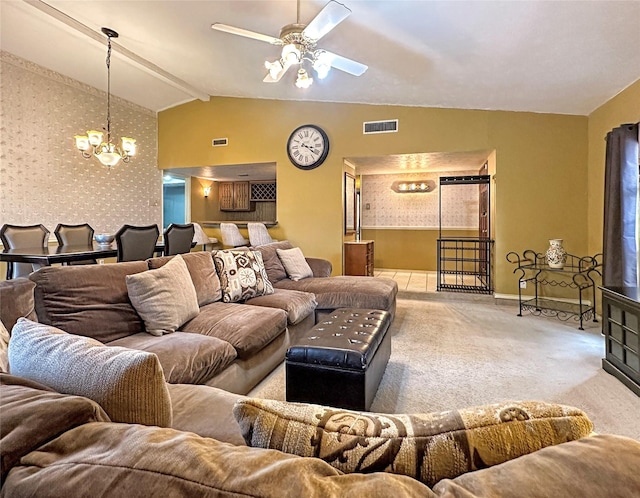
(320, 267)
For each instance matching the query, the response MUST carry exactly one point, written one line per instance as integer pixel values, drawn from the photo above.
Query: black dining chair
(22, 236)
(178, 238)
(136, 243)
(75, 235)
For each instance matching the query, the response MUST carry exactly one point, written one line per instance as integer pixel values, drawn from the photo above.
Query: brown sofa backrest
(88, 300)
(16, 300)
(273, 265)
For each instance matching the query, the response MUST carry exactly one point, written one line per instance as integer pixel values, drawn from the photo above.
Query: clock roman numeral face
(308, 147)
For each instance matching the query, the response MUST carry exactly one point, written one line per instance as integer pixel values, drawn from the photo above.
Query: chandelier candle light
(91, 144)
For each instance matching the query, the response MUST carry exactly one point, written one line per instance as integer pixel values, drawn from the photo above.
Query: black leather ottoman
(341, 360)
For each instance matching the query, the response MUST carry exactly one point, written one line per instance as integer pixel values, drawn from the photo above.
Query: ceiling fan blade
(329, 17)
(269, 79)
(347, 65)
(246, 33)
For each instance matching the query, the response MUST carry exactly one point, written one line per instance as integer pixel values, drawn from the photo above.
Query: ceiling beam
(141, 63)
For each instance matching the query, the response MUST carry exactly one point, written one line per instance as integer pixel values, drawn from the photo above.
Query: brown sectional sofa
(55, 444)
(232, 346)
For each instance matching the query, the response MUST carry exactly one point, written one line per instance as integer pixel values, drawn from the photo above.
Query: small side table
(358, 258)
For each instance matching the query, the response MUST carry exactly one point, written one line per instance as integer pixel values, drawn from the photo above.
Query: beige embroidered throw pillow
(428, 447)
(128, 384)
(164, 298)
(294, 263)
(242, 275)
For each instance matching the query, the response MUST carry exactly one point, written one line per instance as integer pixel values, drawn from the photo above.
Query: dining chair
(178, 238)
(75, 235)
(136, 243)
(22, 236)
(259, 235)
(231, 235)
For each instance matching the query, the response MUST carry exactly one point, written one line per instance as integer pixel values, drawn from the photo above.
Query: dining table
(49, 255)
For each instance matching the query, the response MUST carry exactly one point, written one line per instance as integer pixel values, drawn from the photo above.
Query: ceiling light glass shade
(108, 155)
(413, 186)
(303, 81)
(82, 142)
(129, 146)
(291, 54)
(322, 64)
(274, 68)
(95, 137)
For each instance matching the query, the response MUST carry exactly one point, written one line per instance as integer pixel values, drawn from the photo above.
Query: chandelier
(296, 50)
(92, 144)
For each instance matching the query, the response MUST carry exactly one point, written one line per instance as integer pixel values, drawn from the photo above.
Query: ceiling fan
(298, 43)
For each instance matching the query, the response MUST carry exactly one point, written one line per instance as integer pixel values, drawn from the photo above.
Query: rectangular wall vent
(220, 142)
(389, 126)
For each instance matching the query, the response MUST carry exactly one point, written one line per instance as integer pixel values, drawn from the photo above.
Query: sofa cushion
(4, 348)
(207, 411)
(428, 447)
(242, 275)
(165, 298)
(127, 384)
(247, 328)
(297, 304)
(347, 291)
(33, 414)
(273, 265)
(203, 274)
(294, 263)
(107, 460)
(16, 301)
(592, 467)
(185, 358)
(89, 300)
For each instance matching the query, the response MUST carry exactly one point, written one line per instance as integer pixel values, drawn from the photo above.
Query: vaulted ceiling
(543, 56)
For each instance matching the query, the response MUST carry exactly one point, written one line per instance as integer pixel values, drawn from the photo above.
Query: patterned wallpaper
(44, 179)
(389, 209)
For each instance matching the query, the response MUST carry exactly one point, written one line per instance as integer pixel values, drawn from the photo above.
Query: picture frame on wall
(349, 204)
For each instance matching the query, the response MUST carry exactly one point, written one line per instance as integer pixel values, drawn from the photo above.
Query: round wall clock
(308, 146)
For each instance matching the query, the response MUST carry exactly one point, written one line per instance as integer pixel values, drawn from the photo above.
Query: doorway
(174, 200)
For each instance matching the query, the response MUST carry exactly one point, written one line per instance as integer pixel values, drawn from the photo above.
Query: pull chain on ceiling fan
(298, 43)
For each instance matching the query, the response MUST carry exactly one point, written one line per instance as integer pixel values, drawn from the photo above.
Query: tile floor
(411, 281)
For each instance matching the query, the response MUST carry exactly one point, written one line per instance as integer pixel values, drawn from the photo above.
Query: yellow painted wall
(623, 108)
(418, 247)
(540, 164)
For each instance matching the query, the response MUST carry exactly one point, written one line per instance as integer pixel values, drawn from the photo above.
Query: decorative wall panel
(44, 179)
(384, 208)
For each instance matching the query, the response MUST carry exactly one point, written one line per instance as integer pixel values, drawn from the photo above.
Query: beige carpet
(452, 352)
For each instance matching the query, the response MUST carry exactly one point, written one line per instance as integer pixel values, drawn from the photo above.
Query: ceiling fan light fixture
(291, 54)
(303, 81)
(274, 68)
(322, 64)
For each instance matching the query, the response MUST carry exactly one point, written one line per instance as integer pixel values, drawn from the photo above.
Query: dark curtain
(620, 259)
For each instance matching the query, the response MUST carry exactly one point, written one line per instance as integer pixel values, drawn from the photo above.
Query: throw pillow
(242, 275)
(203, 274)
(294, 263)
(428, 447)
(4, 348)
(128, 384)
(164, 298)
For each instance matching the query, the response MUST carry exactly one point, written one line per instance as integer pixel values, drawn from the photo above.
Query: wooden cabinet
(621, 330)
(358, 258)
(234, 196)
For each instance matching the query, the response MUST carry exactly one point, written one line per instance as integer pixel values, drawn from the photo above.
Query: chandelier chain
(108, 89)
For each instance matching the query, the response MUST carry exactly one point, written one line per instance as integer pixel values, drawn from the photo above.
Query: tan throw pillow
(294, 263)
(203, 274)
(164, 298)
(4, 348)
(428, 447)
(128, 384)
(242, 275)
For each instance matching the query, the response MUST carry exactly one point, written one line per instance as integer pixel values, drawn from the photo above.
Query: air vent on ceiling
(219, 142)
(389, 126)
